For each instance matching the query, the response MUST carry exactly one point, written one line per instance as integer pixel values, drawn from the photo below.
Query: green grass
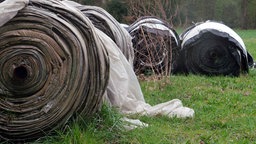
(249, 38)
(224, 109)
(225, 112)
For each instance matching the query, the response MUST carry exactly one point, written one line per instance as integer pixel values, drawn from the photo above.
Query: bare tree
(164, 9)
(244, 15)
(154, 50)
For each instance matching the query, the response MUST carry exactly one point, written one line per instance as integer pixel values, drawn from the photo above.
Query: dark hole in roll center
(20, 73)
(213, 54)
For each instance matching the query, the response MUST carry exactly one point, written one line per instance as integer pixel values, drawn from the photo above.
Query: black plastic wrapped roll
(212, 48)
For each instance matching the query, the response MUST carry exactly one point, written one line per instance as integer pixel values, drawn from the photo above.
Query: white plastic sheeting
(124, 91)
(211, 25)
(153, 23)
(9, 8)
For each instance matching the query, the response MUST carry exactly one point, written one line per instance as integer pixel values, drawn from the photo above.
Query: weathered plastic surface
(52, 66)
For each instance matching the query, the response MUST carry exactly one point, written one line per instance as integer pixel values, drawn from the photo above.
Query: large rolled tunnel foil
(212, 48)
(111, 27)
(52, 67)
(156, 46)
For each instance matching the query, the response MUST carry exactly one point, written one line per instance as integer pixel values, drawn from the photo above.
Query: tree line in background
(179, 13)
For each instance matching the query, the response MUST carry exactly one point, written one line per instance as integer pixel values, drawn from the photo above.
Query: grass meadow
(225, 112)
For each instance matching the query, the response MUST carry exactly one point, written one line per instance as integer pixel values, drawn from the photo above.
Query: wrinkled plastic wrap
(124, 92)
(8, 9)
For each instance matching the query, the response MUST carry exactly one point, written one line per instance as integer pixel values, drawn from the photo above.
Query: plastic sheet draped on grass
(53, 67)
